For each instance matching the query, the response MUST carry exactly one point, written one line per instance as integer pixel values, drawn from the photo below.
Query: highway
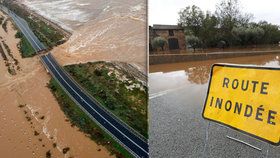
(122, 133)
(24, 28)
(125, 136)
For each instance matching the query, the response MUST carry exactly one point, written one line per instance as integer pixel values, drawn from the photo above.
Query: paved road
(124, 135)
(127, 137)
(24, 28)
(176, 127)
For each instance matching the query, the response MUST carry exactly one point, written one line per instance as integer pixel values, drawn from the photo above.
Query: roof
(167, 27)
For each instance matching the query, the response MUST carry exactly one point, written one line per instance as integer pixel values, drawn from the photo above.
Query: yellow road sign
(245, 98)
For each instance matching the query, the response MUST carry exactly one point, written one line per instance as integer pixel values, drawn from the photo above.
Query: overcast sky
(166, 11)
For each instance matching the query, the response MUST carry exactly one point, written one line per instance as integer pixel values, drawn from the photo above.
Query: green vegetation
(4, 25)
(159, 42)
(227, 27)
(80, 119)
(117, 91)
(1, 19)
(193, 41)
(48, 35)
(45, 33)
(4, 56)
(10, 66)
(25, 47)
(48, 154)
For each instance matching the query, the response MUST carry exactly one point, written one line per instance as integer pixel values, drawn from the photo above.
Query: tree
(229, 15)
(193, 41)
(159, 42)
(228, 11)
(191, 18)
(208, 32)
(271, 32)
(227, 27)
(222, 44)
(248, 36)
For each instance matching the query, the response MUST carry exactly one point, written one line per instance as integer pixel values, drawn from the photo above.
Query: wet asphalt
(177, 129)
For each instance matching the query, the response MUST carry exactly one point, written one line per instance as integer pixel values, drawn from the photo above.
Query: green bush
(80, 119)
(159, 42)
(129, 105)
(25, 47)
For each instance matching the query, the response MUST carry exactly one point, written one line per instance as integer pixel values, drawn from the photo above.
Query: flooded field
(70, 14)
(32, 123)
(177, 94)
(102, 30)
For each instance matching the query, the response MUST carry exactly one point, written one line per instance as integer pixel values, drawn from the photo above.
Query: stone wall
(164, 33)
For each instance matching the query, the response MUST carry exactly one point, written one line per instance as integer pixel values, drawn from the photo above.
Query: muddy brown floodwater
(32, 125)
(169, 76)
(177, 93)
(102, 30)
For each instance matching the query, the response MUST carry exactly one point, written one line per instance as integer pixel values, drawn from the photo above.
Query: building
(173, 34)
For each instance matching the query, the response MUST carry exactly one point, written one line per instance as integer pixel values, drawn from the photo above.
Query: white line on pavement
(26, 32)
(93, 108)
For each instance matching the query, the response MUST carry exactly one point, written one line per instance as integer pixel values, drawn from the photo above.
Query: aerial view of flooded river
(177, 129)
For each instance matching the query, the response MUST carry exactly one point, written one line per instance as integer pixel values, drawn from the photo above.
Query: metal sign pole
(206, 140)
(267, 151)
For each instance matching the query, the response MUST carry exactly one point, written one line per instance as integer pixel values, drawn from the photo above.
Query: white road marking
(161, 93)
(240, 141)
(26, 31)
(93, 108)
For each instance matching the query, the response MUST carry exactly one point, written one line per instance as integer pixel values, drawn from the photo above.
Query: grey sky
(166, 11)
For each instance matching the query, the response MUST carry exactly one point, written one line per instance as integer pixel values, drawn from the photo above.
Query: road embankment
(176, 58)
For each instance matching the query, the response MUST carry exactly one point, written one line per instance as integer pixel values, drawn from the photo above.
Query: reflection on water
(198, 75)
(170, 77)
(177, 129)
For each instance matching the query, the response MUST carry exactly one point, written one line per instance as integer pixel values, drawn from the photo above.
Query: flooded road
(32, 123)
(102, 30)
(177, 129)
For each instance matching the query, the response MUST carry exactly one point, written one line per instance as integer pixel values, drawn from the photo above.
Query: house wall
(178, 34)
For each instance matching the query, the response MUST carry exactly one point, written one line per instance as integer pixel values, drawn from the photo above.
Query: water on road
(177, 129)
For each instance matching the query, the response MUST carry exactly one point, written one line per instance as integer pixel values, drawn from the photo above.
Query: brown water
(168, 77)
(41, 113)
(103, 30)
(176, 127)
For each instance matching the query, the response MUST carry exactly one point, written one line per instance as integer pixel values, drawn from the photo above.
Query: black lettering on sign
(228, 105)
(264, 87)
(254, 85)
(219, 103)
(235, 83)
(226, 82)
(259, 113)
(243, 86)
(211, 101)
(248, 111)
(238, 108)
(271, 117)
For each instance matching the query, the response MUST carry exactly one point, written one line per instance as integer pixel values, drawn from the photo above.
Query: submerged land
(33, 124)
(48, 123)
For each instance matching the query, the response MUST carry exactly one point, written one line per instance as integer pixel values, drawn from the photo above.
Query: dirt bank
(32, 124)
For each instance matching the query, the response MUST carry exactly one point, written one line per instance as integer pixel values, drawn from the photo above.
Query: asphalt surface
(24, 28)
(176, 126)
(124, 135)
(121, 132)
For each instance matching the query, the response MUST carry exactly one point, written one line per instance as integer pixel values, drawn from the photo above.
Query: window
(171, 33)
